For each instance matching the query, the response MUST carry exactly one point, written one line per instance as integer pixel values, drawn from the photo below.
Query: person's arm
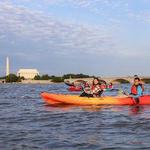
(87, 90)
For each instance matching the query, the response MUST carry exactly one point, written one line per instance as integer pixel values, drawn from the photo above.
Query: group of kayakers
(97, 88)
(94, 90)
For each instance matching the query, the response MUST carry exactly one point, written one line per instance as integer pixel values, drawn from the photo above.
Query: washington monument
(7, 66)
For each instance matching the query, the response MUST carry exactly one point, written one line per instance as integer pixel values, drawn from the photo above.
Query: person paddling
(94, 90)
(137, 89)
(141, 82)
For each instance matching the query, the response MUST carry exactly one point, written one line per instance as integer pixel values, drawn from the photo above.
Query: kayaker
(109, 87)
(137, 89)
(141, 82)
(94, 90)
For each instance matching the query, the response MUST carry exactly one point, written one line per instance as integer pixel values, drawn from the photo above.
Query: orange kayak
(107, 100)
(48, 99)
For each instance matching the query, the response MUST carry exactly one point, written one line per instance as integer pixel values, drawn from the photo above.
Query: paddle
(136, 100)
(120, 92)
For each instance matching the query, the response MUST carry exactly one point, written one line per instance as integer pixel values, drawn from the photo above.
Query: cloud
(21, 25)
(29, 29)
(99, 6)
(142, 16)
(34, 37)
(113, 10)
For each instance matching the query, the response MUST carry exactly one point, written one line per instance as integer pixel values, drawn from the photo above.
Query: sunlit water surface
(27, 123)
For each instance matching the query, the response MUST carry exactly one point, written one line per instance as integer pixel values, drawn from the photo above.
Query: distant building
(28, 73)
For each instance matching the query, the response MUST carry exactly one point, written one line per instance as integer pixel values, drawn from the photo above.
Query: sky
(95, 37)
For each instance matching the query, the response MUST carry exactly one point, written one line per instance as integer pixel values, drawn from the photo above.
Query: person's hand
(125, 93)
(94, 95)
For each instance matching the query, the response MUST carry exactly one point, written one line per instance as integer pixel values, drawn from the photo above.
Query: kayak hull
(46, 97)
(108, 100)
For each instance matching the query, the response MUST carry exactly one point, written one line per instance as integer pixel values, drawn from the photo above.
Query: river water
(27, 123)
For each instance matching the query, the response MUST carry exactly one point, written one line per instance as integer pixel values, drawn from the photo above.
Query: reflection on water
(133, 110)
(26, 122)
(137, 109)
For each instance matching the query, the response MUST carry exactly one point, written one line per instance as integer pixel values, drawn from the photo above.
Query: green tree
(57, 79)
(3, 77)
(20, 79)
(146, 80)
(37, 77)
(11, 78)
(67, 76)
(51, 77)
(123, 81)
(45, 77)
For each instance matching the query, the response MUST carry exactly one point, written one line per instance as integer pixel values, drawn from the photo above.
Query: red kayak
(75, 88)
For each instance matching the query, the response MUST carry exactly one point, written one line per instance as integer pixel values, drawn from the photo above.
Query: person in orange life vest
(137, 89)
(141, 82)
(94, 90)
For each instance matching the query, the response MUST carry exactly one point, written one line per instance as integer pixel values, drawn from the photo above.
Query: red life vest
(86, 84)
(93, 87)
(103, 86)
(134, 89)
(110, 87)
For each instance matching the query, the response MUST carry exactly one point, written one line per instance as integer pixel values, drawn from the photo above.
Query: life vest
(134, 89)
(103, 86)
(86, 84)
(93, 87)
(110, 86)
(96, 89)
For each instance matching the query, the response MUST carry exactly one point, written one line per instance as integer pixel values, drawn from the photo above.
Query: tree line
(56, 79)
(15, 78)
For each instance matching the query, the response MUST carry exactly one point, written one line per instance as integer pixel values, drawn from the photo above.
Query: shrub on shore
(43, 77)
(122, 81)
(146, 80)
(12, 78)
(2, 78)
(57, 79)
(60, 79)
(37, 77)
(67, 76)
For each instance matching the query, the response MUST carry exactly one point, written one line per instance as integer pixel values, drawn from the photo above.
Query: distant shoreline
(32, 82)
(114, 80)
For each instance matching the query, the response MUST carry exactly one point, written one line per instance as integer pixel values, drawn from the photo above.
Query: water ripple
(26, 122)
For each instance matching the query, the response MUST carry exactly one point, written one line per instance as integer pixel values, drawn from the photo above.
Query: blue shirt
(139, 92)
